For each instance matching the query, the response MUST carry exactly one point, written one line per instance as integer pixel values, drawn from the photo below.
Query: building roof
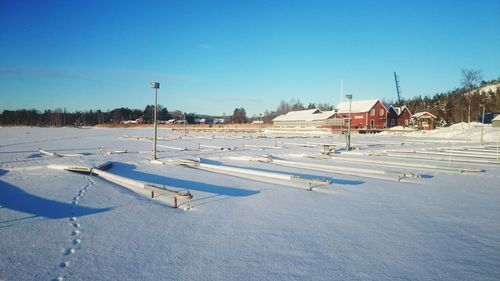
(419, 115)
(305, 115)
(400, 109)
(497, 118)
(356, 106)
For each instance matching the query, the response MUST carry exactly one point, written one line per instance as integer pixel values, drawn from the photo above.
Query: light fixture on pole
(348, 137)
(156, 86)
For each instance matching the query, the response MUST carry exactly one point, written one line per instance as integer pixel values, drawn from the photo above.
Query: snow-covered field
(413, 206)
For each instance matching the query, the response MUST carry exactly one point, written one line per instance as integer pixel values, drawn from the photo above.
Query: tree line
(61, 117)
(462, 104)
(458, 105)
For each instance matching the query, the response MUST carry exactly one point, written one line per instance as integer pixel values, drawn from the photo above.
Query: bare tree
(239, 115)
(470, 78)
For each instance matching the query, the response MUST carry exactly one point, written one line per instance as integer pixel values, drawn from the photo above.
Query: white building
(308, 118)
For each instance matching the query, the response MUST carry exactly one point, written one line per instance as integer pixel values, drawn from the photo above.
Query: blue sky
(213, 56)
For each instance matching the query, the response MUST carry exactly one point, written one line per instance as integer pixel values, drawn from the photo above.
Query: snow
(356, 106)
(418, 115)
(58, 225)
(462, 132)
(305, 115)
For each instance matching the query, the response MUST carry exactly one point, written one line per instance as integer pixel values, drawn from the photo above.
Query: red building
(423, 120)
(398, 116)
(368, 114)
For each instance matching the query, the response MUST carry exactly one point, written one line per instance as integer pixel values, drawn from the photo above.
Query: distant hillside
(453, 106)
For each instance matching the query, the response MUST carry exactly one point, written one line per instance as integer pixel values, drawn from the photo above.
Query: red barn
(398, 116)
(369, 114)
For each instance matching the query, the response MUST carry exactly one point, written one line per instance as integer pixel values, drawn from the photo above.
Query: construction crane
(398, 88)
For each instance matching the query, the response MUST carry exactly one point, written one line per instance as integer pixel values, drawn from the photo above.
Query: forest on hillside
(449, 108)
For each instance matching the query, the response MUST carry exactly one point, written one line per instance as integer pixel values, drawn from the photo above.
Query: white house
(307, 118)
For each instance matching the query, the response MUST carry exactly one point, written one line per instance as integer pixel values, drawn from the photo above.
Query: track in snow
(75, 233)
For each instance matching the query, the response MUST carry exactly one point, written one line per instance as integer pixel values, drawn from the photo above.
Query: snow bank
(460, 131)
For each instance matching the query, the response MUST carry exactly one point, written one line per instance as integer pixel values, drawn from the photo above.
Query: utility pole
(348, 137)
(156, 86)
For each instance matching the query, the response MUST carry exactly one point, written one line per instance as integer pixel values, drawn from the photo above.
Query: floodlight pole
(482, 123)
(156, 86)
(185, 124)
(261, 124)
(348, 137)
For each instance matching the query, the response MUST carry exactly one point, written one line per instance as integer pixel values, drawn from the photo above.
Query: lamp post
(185, 121)
(348, 137)
(156, 86)
(261, 124)
(482, 123)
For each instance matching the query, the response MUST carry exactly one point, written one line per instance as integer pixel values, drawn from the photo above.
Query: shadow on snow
(14, 198)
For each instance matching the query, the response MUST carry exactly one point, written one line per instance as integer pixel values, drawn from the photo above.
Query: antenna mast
(398, 88)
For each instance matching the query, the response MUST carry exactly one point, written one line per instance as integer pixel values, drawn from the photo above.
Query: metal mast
(398, 88)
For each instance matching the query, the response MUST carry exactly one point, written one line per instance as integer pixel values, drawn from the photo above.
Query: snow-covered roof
(497, 118)
(400, 109)
(356, 106)
(421, 114)
(305, 115)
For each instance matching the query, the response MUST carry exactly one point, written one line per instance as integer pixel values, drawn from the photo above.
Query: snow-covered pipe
(236, 171)
(318, 143)
(81, 169)
(210, 146)
(408, 165)
(464, 152)
(366, 173)
(172, 147)
(53, 154)
(123, 181)
(361, 172)
(452, 152)
(426, 157)
(456, 153)
(298, 144)
(110, 152)
(260, 146)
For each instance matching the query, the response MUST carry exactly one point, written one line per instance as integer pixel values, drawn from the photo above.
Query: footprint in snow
(76, 232)
(69, 251)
